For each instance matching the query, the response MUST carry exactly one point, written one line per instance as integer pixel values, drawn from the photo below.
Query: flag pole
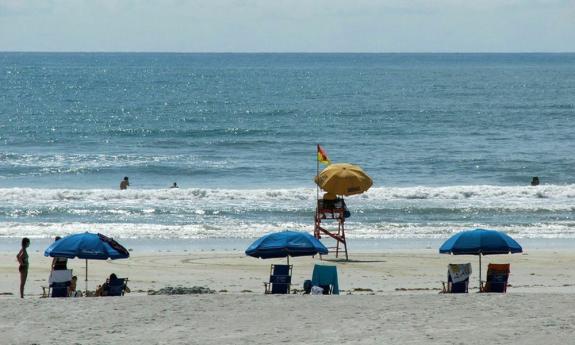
(316, 193)
(317, 174)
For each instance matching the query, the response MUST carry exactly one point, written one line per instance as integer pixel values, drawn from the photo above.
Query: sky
(288, 25)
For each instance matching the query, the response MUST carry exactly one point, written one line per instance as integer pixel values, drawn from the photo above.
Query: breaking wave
(410, 212)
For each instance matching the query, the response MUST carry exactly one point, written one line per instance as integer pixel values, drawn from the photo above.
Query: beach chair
(116, 287)
(333, 208)
(326, 277)
(58, 284)
(280, 279)
(457, 278)
(497, 276)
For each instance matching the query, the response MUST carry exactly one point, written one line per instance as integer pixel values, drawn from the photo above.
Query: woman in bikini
(23, 261)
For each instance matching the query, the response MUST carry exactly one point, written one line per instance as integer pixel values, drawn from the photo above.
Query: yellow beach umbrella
(343, 179)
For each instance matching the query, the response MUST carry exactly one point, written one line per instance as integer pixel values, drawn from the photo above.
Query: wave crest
(554, 197)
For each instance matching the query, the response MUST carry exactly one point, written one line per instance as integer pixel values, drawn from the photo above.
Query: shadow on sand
(338, 260)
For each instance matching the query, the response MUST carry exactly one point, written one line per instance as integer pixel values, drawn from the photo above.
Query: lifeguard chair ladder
(334, 211)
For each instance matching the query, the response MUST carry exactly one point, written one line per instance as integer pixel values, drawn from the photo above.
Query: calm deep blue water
(450, 140)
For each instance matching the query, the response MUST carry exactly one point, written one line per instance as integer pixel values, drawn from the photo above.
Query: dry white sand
(403, 306)
(515, 318)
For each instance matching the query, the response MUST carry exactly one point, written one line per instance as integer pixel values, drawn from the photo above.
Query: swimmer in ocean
(125, 183)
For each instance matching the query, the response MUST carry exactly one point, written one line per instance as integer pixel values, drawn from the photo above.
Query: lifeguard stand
(331, 210)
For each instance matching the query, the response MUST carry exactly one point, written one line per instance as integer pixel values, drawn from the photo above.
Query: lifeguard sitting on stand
(330, 203)
(334, 209)
(338, 179)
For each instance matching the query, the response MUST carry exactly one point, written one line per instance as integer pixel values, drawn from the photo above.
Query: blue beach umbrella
(87, 246)
(480, 242)
(286, 244)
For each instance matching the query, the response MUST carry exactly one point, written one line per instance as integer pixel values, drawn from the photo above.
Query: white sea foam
(254, 230)
(552, 197)
(412, 212)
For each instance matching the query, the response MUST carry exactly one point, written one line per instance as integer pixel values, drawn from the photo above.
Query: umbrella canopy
(284, 244)
(480, 241)
(343, 179)
(87, 246)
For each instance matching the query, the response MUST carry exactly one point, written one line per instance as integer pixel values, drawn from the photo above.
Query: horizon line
(276, 52)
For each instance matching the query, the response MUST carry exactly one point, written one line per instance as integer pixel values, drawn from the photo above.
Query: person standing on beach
(23, 264)
(125, 183)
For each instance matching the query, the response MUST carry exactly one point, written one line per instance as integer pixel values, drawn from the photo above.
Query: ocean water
(450, 140)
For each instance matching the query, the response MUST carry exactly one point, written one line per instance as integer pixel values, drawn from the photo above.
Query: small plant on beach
(362, 290)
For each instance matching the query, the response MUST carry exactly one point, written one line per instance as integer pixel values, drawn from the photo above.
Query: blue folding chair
(59, 289)
(116, 287)
(459, 283)
(58, 284)
(280, 279)
(326, 278)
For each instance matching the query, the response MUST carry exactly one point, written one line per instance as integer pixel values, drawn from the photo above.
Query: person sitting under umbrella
(72, 292)
(103, 289)
(59, 263)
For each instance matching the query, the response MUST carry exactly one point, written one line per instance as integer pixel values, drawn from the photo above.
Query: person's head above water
(125, 183)
(535, 181)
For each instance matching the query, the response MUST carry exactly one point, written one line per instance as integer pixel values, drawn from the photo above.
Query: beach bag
(316, 290)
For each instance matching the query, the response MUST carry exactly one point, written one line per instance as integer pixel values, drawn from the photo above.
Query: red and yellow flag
(322, 156)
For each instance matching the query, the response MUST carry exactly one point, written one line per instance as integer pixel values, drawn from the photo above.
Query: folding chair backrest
(458, 286)
(59, 282)
(60, 276)
(116, 287)
(325, 276)
(280, 279)
(497, 277)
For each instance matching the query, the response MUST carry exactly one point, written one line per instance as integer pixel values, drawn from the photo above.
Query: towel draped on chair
(325, 275)
(459, 272)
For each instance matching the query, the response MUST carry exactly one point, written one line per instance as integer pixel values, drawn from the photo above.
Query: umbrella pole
(86, 280)
(479, 272)
(287, 259)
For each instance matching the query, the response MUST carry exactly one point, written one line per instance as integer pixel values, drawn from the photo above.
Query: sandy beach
(390, 297)
(518, 318)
